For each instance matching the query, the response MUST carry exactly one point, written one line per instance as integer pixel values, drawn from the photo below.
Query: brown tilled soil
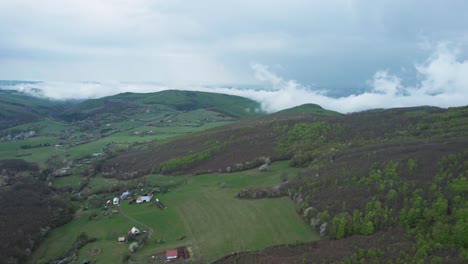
(240, 144)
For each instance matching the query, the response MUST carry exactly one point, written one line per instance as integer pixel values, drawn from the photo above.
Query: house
(144, 198)
(125, 195)
(171, 254)
(121, 239)
(134, 231)
(116, 201)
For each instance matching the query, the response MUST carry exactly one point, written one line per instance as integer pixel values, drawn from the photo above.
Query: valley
(235, 184)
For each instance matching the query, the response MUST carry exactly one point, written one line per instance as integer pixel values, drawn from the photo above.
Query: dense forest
(30, 209)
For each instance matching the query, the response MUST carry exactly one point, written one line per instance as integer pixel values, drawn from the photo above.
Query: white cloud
(443, 82)
(43, 39)
(80, 90)
(443, 72)
(385, 83)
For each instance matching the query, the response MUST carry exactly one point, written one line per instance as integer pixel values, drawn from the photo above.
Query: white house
(144, 198)
(125, 195)
(116, 201)
(134, 231)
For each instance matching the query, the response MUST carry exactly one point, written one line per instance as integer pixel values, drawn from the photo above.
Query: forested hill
(392, 183)
(385, 185)
(301, 138)
(169, 101)
(18, 108)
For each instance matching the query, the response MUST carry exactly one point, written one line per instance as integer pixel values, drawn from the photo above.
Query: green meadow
(202, 213)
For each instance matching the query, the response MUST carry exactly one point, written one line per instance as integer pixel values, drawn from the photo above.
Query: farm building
(125, 195)
(144, 198)
(171, 254)
(121, 239)
(134, 231)
(116, 201)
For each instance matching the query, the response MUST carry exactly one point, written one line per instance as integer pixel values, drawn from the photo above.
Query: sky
(347, 55)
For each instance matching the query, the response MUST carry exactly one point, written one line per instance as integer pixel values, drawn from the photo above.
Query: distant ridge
(169, 100)
(308, 108)
(18, 108)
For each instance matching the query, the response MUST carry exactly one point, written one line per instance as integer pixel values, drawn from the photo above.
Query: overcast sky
(347, 46)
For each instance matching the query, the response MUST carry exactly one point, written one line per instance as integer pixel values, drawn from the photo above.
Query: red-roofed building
(171, 254)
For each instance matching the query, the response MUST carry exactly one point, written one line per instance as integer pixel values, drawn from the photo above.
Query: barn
(171, 254)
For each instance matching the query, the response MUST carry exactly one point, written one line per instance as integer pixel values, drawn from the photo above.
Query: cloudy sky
(368, 52)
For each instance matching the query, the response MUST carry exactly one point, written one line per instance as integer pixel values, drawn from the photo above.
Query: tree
(367, 228)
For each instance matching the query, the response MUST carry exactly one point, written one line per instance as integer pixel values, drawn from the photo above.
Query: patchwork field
(202, 213)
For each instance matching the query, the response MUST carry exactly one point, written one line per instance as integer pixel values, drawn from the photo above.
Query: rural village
(135, 237)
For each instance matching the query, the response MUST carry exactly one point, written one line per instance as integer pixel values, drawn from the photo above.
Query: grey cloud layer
(214, 42)
(443, 82)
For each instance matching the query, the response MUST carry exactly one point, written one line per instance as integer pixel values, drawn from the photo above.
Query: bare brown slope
(359, 162)
(247, 140)
(239, 143)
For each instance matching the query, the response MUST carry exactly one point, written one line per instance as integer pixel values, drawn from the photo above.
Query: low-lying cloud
(442, 80)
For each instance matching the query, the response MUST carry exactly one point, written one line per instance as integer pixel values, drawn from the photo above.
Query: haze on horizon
(367, 54)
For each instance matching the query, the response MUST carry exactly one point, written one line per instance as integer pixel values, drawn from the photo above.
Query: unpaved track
(151, 230)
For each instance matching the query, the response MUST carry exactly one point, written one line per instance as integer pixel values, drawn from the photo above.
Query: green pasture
(202, 212)
(74, 181)
(160, 133)
(160, 180)
(13, 150)
(43, 127)
(105, 228)
(100, 184)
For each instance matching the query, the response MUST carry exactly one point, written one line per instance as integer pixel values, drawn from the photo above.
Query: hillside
(18, 108)
(165, 102)
(109, 124)
(384, 184)
(395, 178)
(300, 138)
(308, 109)
(59, 145)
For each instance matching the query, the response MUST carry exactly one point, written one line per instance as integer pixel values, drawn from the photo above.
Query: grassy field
(13, 150)
(74, 181)
(160, 133)
(203, 210)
